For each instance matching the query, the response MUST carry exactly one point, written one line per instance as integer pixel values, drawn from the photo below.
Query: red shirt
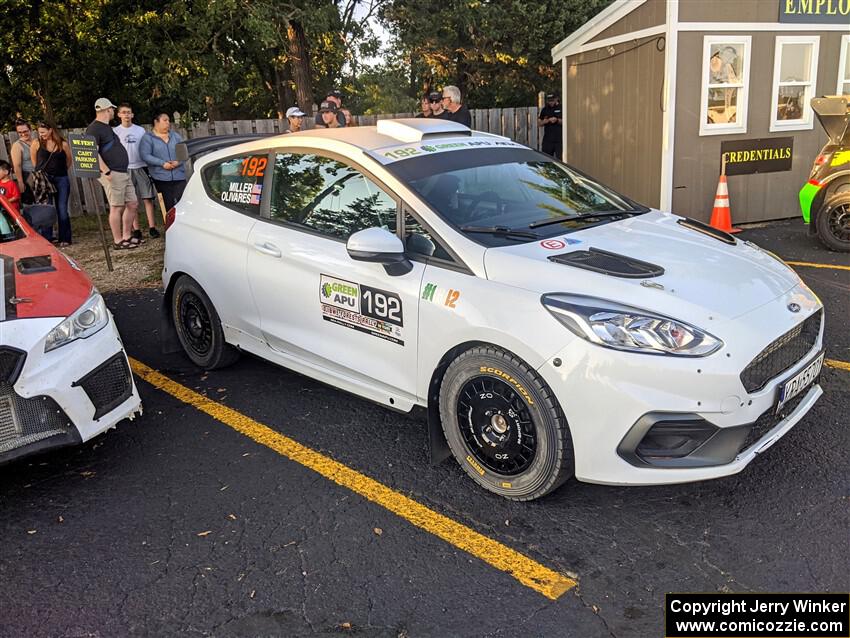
(9, 190)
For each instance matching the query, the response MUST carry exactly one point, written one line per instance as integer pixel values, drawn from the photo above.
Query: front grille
(782, 354)
(770, 419)
(24, 421)
(11, 362)
(108, 385)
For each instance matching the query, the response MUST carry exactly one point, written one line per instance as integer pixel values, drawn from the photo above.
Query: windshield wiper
(504, 231)
(573, 218)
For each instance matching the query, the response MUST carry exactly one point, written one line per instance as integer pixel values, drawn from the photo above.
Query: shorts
(119, 191)
(142, 183)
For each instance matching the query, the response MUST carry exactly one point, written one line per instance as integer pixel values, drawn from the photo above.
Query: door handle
(268, 248)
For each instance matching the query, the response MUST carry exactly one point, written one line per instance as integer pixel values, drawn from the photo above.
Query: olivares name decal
(766, 155)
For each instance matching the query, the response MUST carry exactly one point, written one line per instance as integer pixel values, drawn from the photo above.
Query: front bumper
(611, 399)
(62, 397)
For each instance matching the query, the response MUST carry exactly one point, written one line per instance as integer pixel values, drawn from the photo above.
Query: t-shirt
(461, 116)
(109, 146)
(551, 131)
(130, 137)
(9, 190)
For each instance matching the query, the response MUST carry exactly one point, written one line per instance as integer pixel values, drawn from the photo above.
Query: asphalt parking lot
(195, 521)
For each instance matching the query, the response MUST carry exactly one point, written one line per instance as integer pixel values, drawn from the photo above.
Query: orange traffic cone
(721, 215)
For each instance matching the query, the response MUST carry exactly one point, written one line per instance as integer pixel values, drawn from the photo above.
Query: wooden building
(656, 92)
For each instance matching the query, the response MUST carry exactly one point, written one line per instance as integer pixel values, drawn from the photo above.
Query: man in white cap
(114, 176)
(296, 119)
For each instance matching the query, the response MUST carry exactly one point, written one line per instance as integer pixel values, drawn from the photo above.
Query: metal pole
(103, 241)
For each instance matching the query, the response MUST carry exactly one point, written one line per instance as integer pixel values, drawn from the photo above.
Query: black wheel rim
(839, 222)
(496, 426)
(195, 323)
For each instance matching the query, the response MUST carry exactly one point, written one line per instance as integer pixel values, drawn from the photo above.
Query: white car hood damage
(704, 280)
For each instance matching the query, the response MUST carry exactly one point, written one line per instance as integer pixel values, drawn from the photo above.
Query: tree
(496, 51)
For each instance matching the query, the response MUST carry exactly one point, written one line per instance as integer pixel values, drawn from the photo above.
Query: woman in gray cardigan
(158, 150)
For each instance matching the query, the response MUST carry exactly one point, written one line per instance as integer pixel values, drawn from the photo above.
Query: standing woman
(158, 150)
(50, 153)
(22, 160)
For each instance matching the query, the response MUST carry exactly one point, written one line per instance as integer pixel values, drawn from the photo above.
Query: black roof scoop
(607, 263)
(705, 229)
(33, 265)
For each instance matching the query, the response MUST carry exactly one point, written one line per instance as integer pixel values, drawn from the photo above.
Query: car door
(348, 321)
(211, 241)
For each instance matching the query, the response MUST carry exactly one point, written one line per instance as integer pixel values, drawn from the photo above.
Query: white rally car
(550, 326)
(64, 376)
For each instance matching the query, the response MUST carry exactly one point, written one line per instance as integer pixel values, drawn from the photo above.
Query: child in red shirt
(8, 186)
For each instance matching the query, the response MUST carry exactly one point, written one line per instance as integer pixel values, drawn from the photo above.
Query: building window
(844, 67)
(795, 67)
(725, 84)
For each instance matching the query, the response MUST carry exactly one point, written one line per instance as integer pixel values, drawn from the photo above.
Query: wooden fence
(519, 124)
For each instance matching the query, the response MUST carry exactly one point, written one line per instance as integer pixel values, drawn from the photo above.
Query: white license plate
(799, 382)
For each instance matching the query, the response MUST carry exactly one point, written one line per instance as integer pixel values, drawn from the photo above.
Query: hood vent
(609, 264)
(705, 229)
(33, 265)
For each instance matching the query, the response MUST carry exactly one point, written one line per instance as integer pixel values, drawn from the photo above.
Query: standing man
(114, 176)
(295, 116)
(425, 106)
(130, 135)
(328, 116)
(457, 111)
(335, 98)
(551, 120)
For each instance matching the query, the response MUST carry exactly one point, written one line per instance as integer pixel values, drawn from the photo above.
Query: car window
(418, 241)
(237, 182)
(327, 196)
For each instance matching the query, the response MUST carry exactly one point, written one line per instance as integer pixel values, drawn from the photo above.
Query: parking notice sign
(84, 155)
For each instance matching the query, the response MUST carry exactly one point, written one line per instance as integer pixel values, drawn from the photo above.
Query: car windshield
(9, 230)
(507, 196)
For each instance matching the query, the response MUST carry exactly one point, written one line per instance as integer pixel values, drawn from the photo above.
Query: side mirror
(39, 215)
(379, 246)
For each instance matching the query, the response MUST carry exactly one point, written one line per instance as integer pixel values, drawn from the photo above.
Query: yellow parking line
(527, 571)
(810, 265)
(841, 365)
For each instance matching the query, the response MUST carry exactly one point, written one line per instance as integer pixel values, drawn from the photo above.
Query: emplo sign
(814, 11)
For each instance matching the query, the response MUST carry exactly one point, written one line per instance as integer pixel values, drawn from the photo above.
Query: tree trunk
(299, 61)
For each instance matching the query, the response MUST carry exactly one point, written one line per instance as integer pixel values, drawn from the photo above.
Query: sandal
(135, 242)
(125, 244)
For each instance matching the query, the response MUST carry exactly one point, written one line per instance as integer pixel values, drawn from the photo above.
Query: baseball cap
(335, 93)
(294, 111)
(103, 103)
(327, 106)
(435, 96)
(551, 96)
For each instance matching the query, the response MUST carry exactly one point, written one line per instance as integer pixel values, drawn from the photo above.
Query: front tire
(504, 425)
(833, 223)
(199, 327)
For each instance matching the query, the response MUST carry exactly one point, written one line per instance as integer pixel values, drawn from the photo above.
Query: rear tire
(833, 222)
(504, 425)
(199, 327)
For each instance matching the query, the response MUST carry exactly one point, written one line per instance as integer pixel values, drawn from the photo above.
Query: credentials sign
(84, 155)
(814, 11)
(765, 155)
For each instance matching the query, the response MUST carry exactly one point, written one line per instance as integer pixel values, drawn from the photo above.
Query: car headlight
(86, 320)
(621, 327)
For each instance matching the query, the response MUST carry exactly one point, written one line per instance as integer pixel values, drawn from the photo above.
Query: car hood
(37, 280)
(704, 280)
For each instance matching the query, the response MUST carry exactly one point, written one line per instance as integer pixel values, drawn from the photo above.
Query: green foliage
(498, 52)
(227, 59)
